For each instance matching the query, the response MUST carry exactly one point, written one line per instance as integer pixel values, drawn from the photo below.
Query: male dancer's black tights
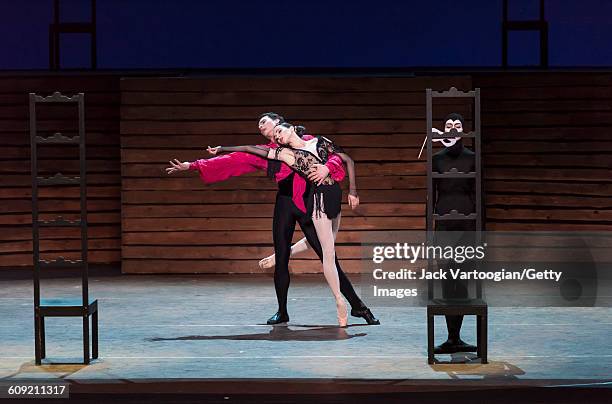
(286, 214)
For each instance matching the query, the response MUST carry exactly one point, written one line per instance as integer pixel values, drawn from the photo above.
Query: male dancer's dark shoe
(450, 347)
(278, 318)
(366, 314)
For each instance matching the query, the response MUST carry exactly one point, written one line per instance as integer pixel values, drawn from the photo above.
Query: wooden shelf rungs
(60, 262)
(451, 174)
(58, 179)
(453, 93)
(455, 134)
(57, 97)
(57, 138)
(454, 215)
(59, 221)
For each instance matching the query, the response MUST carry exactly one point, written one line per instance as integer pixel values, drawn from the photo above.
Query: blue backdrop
(315, 33)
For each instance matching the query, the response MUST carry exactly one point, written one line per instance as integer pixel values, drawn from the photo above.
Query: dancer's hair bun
(300, 130)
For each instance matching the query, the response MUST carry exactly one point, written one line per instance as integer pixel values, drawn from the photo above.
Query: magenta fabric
(221, 168)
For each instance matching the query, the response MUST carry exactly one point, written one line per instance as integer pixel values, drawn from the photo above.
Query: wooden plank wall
(102, 102)
(547, 161)
(548, 150)
(179, 224)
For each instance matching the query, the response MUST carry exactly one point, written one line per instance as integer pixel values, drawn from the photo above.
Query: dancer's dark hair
(299, 129)
(273, 116)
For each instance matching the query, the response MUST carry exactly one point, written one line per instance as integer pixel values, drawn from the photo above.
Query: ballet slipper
(342, 312)
(267, 262)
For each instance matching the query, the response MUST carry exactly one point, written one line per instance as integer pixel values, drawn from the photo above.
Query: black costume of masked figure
(454, 194)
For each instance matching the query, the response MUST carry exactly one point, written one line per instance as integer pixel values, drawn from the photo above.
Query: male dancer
(289, 209)
(459, 194)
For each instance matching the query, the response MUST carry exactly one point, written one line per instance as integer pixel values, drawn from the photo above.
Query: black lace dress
(326, 197)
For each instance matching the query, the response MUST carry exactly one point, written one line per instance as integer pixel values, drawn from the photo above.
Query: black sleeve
(326, 147)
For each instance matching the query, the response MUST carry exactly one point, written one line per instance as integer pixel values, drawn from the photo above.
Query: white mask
(448, 126)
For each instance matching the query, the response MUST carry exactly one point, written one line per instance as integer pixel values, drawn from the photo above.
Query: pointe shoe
(267, 262)
(342, 313)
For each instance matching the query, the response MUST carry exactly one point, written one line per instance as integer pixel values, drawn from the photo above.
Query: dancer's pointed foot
(366, 314)
(267, 262)
(342, 312)
(278, 318)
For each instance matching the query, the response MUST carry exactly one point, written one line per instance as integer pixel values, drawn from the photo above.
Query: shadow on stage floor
(278, 333)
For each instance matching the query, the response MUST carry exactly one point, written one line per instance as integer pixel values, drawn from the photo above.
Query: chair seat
(59, 307)
(457, 307)
(457, 302)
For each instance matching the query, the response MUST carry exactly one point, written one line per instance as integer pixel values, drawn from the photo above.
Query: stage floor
(212, 327)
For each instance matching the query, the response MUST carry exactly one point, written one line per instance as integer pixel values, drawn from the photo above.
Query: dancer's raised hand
(176, 165)
(353, 200)
(213, 150)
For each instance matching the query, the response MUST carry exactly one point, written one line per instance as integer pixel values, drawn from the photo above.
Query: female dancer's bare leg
(325, 233)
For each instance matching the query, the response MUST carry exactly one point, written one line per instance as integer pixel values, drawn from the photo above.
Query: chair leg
(37, 357)
(479, 336)
(43, 344)
(86, 358)
(94, 335)
(484, 337)
(430, 339)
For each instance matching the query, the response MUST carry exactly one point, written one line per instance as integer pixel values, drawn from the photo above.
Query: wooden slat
(558, 174)
(95, 231)
(191, 224)
(246, 127)
(60, 245)
(549, 201)
(18, 218)
(199, 142)
(574, 160)
(358, 154)
(223, 237)
(228, 266)
(547, 188)
(575, 215)
(223, 252)
(233, 197)
(94, 256)
(382, 169)
(298, 113)
(261, 182)
(71, 192)
(265, 100)
(62, 205)
(263, 210)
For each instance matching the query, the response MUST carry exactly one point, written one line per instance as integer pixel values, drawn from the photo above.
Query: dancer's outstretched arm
(261, 151)
(221, 168)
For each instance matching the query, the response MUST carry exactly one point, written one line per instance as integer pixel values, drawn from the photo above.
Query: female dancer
(325, 197)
